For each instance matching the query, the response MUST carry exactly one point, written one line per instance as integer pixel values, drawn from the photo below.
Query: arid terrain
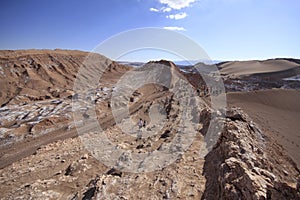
(59, 110)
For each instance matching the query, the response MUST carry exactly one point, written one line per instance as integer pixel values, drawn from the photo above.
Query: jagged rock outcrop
(246, 164)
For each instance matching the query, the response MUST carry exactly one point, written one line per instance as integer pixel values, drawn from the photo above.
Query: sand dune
(246, 68)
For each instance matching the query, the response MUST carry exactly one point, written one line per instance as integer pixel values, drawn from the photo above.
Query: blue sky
(225, 29)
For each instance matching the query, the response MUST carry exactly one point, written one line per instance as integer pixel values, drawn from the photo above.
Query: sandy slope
(245, 68)
(277, 112)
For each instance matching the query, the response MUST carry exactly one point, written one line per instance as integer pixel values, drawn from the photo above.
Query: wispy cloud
(177, 16)
(174, 28)
(171, 9)
(154, 10)
(168, 9)
(177, 4)
(170, 5)
(163, 9)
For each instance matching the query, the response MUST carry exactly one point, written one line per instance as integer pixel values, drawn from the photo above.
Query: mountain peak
(164, 62)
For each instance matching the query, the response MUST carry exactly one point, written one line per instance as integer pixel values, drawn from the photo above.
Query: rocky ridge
(247, 164)
(244, 163)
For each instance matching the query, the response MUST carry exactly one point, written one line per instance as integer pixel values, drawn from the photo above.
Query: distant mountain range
(193, 62)
(178, 63)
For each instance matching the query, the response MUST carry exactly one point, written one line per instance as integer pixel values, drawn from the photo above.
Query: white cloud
(177, 16)
(168, 9)
(163, 9)
(154, 10)
(174, 28)
(177, 4)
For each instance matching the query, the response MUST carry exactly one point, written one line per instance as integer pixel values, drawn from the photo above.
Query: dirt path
(12, 153)
(16, 151)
